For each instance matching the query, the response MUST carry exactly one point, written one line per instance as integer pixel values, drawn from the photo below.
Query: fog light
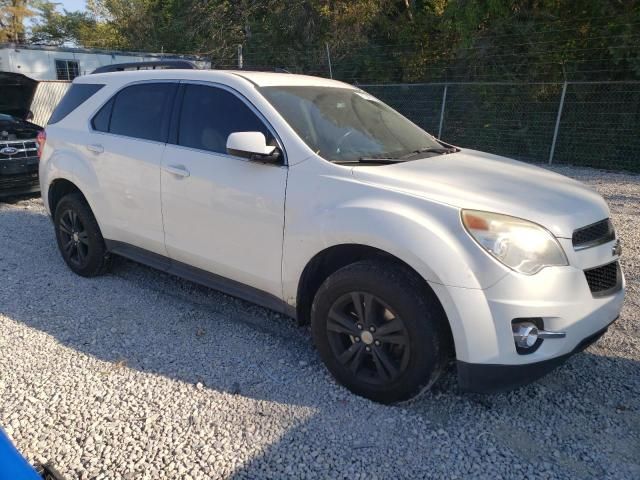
(525, 334)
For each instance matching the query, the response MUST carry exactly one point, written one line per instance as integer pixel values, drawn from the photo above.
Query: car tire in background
(380, 330)
(79, 238)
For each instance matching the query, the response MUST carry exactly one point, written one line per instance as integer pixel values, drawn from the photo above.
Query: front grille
(23, 149)
(27, 180)
(594, 234)
(604, 280)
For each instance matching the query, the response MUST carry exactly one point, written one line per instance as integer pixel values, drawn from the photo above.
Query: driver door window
(209, 115)
(216, 205)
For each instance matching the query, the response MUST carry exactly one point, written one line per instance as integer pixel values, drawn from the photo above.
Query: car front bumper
(560, 297)
(494, 378)
(18, 176)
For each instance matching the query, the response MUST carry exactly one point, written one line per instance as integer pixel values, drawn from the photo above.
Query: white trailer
(62, 63)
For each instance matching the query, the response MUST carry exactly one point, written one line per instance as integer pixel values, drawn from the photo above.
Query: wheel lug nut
(359, 326)
(372, 329)
(377, 342)
(368, 349)
(357, 339)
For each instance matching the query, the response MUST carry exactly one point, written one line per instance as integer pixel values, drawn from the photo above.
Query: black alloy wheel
(75, 239)
(380, 330)
(368, 338)
(79, 238)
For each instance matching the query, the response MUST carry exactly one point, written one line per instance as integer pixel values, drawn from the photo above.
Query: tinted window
(210, 114)
(141, 111)
(101, 120)
(77, 94)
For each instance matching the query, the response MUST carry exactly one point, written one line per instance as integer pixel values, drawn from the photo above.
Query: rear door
(126, 146)
(222, 214)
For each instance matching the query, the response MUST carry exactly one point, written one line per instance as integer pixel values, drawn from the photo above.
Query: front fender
(338, 210)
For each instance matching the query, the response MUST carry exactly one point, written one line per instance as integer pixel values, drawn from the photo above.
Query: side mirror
(29, 116)
(252, 145)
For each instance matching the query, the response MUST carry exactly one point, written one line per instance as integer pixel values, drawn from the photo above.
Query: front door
(222, 214)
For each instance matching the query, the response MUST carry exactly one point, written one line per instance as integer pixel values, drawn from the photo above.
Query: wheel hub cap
(76, 237)
(367, 338)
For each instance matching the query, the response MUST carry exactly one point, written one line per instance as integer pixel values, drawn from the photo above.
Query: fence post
(240, 58)
(444, 102)
(555, 132)
(326, 44)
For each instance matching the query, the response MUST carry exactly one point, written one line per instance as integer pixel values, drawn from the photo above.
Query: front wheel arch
(332, 259)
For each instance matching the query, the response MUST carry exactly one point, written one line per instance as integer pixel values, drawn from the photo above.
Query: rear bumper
(494, 378)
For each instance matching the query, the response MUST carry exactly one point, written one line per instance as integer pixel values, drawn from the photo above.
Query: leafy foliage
(369, 40)
(12, 16)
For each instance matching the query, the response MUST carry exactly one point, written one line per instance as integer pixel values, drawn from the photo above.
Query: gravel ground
(141, 375)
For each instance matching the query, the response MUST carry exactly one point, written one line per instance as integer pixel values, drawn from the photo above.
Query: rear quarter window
(139, 111)
(101, 120)
(77, 94)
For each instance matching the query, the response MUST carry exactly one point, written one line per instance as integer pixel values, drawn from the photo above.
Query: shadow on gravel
(19, 198)
(581, 421)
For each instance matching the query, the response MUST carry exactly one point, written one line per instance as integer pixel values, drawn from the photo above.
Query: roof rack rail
(161, 64)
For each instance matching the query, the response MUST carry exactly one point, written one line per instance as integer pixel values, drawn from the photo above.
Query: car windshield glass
(347, 125)
(6, 118)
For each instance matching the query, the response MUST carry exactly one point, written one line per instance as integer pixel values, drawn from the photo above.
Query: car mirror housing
(253, 146)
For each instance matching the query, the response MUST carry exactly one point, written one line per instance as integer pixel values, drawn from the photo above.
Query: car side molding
(202, 277)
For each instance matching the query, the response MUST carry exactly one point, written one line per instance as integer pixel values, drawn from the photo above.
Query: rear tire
(380, 330)
(79, 238)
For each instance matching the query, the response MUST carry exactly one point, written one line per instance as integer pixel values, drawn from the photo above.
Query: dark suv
(18, 136)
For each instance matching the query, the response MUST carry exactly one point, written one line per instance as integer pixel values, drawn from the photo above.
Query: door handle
(177, 170)
(95, 148)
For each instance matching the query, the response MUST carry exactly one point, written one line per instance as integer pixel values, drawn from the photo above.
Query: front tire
(79, 238)
(380, 331)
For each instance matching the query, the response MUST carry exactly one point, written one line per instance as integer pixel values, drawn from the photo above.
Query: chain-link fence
(583, 123)
(594, 124)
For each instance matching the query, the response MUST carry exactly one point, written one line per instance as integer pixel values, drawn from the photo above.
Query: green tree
(12, 16)
(372, 40)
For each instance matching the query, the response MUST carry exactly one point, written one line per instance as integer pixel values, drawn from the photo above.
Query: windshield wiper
(400, 159)
(371, 160)
(441, 150)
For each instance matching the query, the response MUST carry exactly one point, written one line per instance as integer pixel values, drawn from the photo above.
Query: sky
(72, 5)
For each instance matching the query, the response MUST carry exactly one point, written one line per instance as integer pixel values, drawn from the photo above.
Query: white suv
(315, 199)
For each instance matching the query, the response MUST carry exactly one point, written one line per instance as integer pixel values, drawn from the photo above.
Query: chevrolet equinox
(313, 198)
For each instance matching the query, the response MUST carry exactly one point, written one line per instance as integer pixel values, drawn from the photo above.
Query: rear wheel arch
(58, 189)
(332, 259)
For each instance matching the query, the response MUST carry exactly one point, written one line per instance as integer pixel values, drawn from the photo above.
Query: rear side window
(210, 114)
(101, 120)
(77, 94)
(139, 111)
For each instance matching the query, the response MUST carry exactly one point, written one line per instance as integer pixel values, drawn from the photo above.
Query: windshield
(342, 124)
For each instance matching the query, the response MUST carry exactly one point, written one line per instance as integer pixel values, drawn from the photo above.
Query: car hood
(17, 94)
(481, 181)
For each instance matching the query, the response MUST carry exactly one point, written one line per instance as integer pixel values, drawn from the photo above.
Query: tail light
(41, 138)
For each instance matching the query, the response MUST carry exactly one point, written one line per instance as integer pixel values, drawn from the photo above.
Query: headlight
(520, 245)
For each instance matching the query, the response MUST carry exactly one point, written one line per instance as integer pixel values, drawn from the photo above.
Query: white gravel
(141, 375)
